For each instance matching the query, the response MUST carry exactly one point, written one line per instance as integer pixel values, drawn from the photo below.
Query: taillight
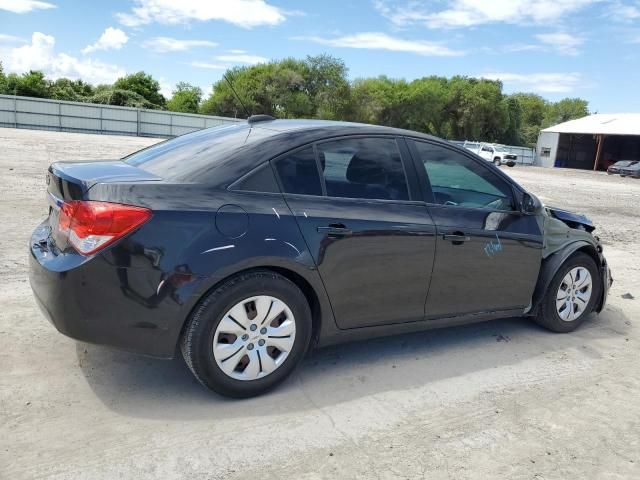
(90, 226)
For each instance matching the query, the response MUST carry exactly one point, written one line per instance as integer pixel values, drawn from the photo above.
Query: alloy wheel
(254, 338)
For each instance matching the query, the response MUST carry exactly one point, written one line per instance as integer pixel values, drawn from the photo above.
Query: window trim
(427, 191)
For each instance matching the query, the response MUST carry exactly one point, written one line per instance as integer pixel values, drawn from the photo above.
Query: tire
(549, 315)
(249, 293)
(497, 162)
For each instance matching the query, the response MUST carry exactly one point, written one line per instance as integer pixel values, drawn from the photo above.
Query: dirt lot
(503, 399)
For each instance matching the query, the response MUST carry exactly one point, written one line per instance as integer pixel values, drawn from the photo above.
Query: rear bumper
(97, 301)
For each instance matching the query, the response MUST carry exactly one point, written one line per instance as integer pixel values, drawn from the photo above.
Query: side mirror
(530, 204)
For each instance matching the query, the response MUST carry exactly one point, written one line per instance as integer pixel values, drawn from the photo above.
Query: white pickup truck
(493, 153)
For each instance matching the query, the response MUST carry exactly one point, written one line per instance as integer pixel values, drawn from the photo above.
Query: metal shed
(590, 143)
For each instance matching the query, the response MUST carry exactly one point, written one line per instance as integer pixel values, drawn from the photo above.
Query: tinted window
(260, 180)
(298, 173)
(188, 156)
(363, 168)
(458, 180)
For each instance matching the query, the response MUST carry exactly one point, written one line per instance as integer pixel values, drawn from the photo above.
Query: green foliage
(316, 87)
(122, 98)
(31, 84)
(186, 98)
(72, 90)
(565, 110)
(461, 108)
(144, 85)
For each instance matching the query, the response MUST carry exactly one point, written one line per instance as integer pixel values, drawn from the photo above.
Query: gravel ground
(502, 399)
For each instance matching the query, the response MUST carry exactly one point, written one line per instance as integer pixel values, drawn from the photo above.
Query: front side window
(363, 168)
(457, 180)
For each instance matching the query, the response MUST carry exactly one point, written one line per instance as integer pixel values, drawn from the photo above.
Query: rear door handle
(335, 230)
(456, 238)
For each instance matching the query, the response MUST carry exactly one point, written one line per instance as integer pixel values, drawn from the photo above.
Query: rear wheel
(496, 162)
(248, 335)
(571, 296)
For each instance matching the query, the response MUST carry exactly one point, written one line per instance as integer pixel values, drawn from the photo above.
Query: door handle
(457, 238)
(335, 230)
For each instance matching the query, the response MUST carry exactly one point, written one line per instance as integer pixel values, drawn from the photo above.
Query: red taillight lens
(91, 226)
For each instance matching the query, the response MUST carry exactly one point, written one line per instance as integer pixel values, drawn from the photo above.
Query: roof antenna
(246, 110)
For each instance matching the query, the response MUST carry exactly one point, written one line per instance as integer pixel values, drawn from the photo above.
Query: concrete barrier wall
(48, 114)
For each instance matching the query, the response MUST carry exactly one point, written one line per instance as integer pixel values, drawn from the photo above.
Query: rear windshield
(187, 157)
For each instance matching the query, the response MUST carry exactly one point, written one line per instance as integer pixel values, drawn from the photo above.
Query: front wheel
(248, 335)
(497, 162)
(571, 295)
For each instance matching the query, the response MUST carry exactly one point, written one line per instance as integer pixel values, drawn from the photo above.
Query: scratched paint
(492, 248)
(224, 247)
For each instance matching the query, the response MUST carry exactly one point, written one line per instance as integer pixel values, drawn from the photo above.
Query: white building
(591, 143)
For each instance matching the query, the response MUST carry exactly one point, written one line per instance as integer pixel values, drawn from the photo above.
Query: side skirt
(355, 334)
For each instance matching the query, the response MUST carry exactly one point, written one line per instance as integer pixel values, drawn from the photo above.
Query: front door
(488, 252)
(373, 245)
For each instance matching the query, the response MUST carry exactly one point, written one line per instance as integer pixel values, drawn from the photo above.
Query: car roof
(303, 125)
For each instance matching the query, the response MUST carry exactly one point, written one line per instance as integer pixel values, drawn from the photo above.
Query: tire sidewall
(211, 312)
(551, 317)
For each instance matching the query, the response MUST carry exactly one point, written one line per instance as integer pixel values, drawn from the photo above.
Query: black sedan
(245, 245)
(620, 165)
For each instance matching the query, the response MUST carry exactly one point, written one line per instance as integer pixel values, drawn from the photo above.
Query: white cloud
(243, 13)
(11, 39)
(561, 42)
(468, 13)
(382, 41)
(624, 12)
(24, 6)
(211, 66)
(538, 82)
(40, 55)
(167, 44)
(111, 39)
(242, 58)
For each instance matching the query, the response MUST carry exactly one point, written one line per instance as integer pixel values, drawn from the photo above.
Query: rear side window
(189, 156)
(298, 173)
(259, 180)
(363, 168)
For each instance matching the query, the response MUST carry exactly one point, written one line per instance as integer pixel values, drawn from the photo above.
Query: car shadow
(148, 388)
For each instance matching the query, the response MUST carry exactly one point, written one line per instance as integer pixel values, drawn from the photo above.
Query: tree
(565, 110)
(72, 90)
(534, 108)
(186, 98)
(31, 84)
(144, 85)
(122, 98)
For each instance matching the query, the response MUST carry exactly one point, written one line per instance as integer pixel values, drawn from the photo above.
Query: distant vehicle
(619, 165)
(632, 170)
(493, 153)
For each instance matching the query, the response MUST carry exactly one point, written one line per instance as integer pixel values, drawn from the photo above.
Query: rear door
(488, 252)
(372, 240)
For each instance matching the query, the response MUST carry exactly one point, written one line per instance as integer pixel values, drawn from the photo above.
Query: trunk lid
(71, 180)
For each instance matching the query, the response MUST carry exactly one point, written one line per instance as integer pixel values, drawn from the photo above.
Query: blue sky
(557, 48)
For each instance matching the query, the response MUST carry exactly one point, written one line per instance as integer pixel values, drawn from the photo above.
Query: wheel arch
(552, 263)
(318, 303)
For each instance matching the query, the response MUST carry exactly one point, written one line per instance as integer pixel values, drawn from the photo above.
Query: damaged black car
(243, 246)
